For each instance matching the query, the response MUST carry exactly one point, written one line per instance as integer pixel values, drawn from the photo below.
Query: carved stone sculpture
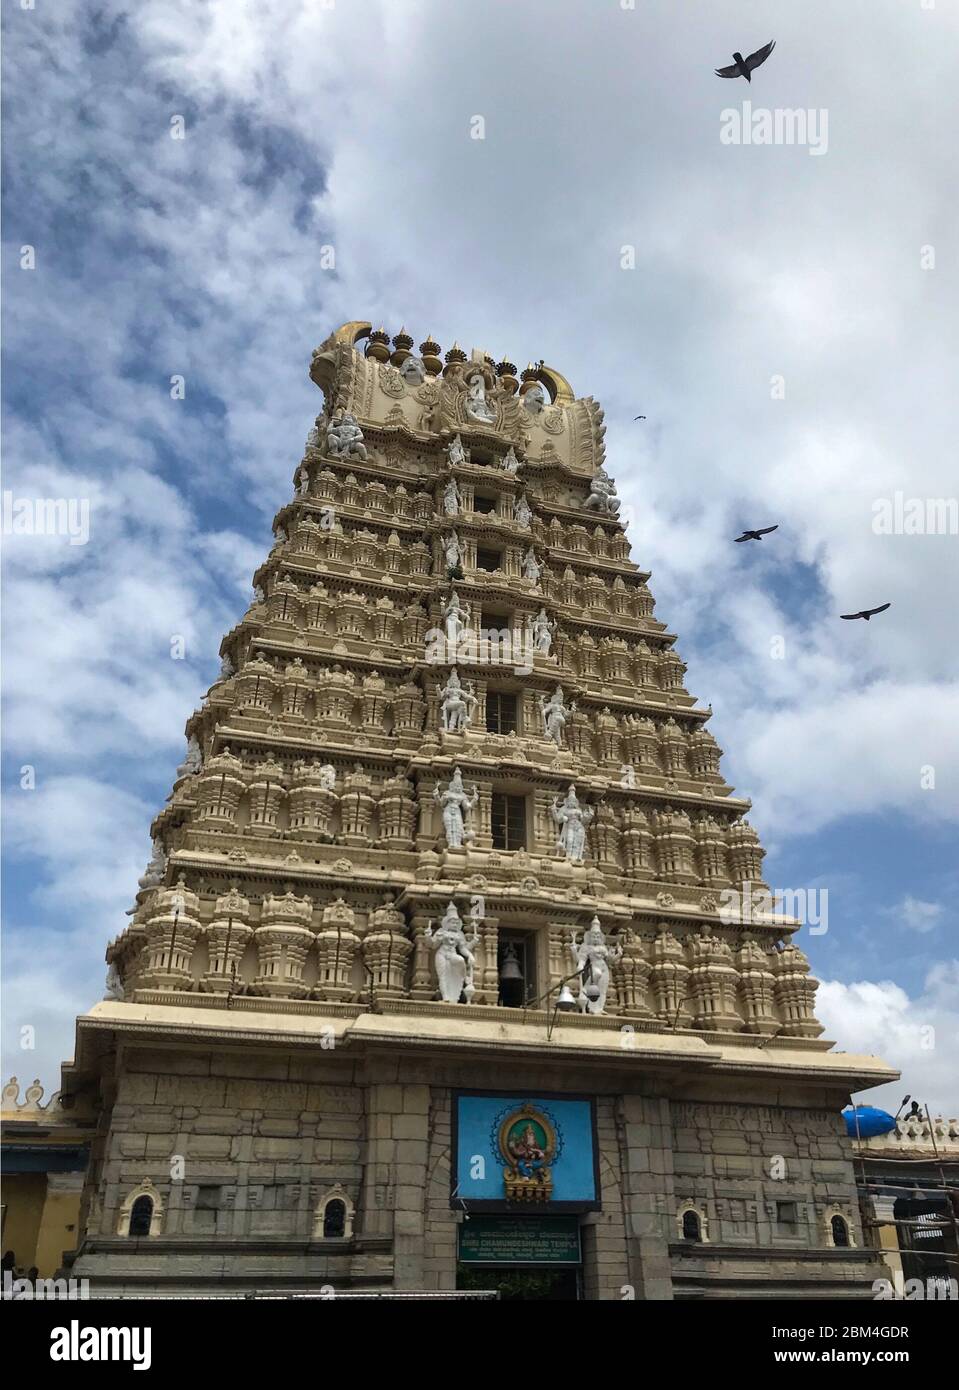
(344, 438)
(193, 761)
(555, 714)
(451, 499)
(456, 704)
(522, 512)
(593, 958)
(412, 370)
(455, 452)
(573, 821)
(453, 957)
(477, 406)
(602, 495)
(456, 810)
(531, 566)
(543, 630)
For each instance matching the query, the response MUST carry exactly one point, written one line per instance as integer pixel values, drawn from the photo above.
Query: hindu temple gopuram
(446, 972)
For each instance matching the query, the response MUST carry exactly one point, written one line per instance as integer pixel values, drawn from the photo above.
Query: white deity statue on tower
(344, 438)
(510, 462)
(477, 405)
(531, 566)
(573, 820)
(455, 452)
(602, 495)
(456, 619)
(327, 777)
(555, 714)
(543, 629)
(456, 704)
(452, 550)
(522, 512)
(457, 806)
(451, 499)
(413, 370)
(593, 958)
(454, 957)
(534, 400)
(627, 776)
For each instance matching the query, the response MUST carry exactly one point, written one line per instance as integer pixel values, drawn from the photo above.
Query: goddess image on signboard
(527, 1143)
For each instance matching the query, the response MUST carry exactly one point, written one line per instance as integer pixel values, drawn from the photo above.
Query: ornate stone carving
(344, 438)
(456, 810)
(457, 703)
(453, 957)
(593, 958)
(573, 821)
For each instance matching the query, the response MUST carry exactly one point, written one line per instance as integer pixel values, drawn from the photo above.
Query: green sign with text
(530, 1240)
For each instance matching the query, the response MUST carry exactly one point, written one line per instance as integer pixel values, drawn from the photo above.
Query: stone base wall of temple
(240, 1153)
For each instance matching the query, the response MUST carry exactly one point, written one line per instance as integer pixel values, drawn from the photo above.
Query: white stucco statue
(555, 714)
(522, 512)
(456, 704)
(593, 958)
(531, 566)
(510, 462)
(456, 809)
(452, 550)
(454, 958)
(573, 821)
(304, 481)
(602, 495)
(451, 499)
(413, 370)
(193, 760)
(113, 987)
(344, 438)
(153, 874)
(543, 630)
(477, 405)
(627, 776)
(455, 452)
(227, 669)
(456, 618)
(534, 400)
(327, 777)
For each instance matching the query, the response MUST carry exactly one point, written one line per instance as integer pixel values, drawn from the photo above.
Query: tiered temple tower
(451, 913)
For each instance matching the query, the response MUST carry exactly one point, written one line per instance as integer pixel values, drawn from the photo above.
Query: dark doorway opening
(536, 1284)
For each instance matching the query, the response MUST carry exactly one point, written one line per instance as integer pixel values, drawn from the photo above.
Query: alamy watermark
(747, 904)
(47, 516)
(915, 516)
(489, 646)
(23, 1289)
(782, 126)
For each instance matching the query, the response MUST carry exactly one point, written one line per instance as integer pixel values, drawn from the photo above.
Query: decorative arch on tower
(329, 1206)
(692, 1223)
(835, 1223)
(134, 1209)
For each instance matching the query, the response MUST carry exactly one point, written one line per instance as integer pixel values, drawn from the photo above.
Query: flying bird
(638, 417)
(867, 613)
(744, 66)
(757, 535)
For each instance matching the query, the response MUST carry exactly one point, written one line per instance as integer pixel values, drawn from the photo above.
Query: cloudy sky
(785, 318)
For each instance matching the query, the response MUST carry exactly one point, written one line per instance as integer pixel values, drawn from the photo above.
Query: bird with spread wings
(744, 67)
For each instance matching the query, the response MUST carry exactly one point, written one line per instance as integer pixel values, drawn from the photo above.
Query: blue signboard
(533, 1153)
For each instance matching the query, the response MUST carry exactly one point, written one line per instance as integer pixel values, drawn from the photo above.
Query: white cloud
(917, 915)
(918, 1035)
